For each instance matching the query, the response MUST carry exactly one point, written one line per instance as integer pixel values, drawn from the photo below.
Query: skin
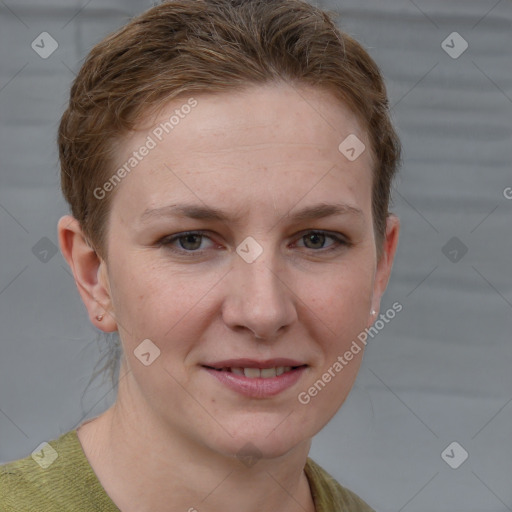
(260, 155)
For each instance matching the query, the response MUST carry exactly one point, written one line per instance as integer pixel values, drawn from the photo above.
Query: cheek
(158, 302)
(340, 299)
(154, 299)
(341, 304)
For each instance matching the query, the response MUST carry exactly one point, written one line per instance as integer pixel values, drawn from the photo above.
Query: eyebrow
(200, 212)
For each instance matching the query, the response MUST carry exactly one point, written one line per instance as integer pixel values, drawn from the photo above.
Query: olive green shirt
(69, 484)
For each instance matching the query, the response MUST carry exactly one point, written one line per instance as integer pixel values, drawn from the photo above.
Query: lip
(258, 387)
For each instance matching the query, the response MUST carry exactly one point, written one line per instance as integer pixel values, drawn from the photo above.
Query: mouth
(255, 373)
(257, 379)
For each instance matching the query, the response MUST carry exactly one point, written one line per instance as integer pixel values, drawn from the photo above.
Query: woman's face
(283, 271)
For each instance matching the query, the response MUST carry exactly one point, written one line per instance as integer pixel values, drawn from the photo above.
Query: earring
(372, 312)
(99, 318)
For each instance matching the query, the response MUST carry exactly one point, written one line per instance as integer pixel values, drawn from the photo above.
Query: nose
(258, 299)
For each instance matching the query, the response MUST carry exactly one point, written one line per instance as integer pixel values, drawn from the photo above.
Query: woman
(228, 167)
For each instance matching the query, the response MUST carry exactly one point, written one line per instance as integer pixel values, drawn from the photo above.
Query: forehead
(238, 146)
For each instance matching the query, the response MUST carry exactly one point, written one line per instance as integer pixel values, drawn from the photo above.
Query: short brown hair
(186, 46)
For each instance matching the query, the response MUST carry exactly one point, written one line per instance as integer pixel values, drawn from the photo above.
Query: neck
(144, 465)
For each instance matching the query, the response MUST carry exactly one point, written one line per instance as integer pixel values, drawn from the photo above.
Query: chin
(259, 438)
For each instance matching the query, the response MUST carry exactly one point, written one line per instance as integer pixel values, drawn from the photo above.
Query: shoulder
(329, 495)
(42, 480)
(19, 484)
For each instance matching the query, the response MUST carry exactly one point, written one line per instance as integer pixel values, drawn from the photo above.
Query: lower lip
(258, 387)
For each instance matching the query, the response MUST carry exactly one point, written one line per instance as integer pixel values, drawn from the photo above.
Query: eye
(191, 242)
(316, 239)
(187, 242)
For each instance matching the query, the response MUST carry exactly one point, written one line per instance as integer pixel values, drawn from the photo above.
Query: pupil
(189, 238)
(316, 238)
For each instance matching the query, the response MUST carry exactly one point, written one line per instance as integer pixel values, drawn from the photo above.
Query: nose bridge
(260, 278)
(259, 301)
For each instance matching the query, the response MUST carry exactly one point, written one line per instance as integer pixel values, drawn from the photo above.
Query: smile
(256, 382)
(253, 373)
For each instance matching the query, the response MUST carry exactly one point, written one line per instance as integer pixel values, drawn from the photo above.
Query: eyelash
(166, 242)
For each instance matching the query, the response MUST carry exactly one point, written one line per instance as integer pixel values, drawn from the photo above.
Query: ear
(89, 271)
(385, 263)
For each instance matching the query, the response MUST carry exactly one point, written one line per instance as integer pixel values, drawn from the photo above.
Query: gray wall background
(439, 372)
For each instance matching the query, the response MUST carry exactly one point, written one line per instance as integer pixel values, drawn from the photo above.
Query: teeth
(252, 372)
(264, 373)
(268, 372)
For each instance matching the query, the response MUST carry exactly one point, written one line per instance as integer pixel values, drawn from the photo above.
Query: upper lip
(253, 363)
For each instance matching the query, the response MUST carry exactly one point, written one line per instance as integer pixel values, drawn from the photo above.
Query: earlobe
(87, 267)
